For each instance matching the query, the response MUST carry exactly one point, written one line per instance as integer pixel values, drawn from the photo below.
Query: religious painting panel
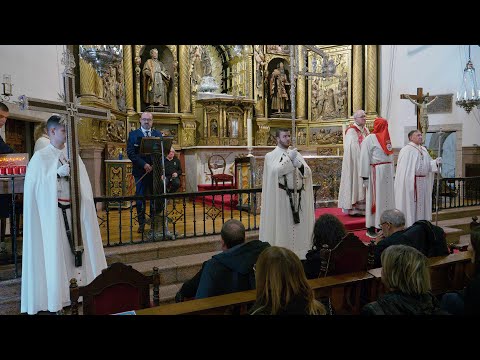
(330, 87)
(278, 49)
(302, 135)
(325, 135)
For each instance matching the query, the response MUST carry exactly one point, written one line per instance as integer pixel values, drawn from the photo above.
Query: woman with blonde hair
(40, 136)
(406, 277)
(282, 287)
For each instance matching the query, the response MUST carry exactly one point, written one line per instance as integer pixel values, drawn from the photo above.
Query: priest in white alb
(351, 195)
(414, 180)
(48, 260)
(377, 172)
(285, 220)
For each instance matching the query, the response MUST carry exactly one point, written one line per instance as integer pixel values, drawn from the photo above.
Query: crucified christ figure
(423, 112)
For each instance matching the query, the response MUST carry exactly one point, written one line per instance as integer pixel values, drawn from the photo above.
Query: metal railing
(456, 193)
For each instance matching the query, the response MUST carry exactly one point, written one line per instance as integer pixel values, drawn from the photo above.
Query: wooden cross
(73, 111)
(418, 98)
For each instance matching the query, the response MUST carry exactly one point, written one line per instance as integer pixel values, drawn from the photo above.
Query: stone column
(300, 101)
(371, 79)
(357, 78)
(128, 71)
(184, 79)
(92, 157)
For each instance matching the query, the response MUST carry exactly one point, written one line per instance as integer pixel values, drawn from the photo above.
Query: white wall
(35, 70)
(438, 69)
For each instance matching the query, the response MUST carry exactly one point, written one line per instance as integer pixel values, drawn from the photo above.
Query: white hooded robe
(47, 261)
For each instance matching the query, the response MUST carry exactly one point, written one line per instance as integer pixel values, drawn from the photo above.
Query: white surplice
(415, 169)
(47, 261)
(276, 220)
(378, 168)
(351, 190)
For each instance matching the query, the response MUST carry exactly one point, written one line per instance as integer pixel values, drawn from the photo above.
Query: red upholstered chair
(117, 289)
(218, 163)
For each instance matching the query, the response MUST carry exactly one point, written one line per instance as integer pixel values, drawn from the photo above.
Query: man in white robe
(48, 261)
(414, 180)
(351, 195)
(377, 171)
(280, 225)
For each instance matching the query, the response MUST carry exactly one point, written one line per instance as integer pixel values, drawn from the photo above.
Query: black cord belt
(295, 212)
(67, 226)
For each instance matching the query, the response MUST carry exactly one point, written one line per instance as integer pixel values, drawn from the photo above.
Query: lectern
(157, 147)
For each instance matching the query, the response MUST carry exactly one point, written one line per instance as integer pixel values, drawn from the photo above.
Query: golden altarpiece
(208, 95)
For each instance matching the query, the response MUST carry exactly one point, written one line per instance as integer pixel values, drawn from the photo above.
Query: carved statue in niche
(120, 87)
(155, 81)
(201, 65)
(213, 128)
(279, 88)
(330, 104)
(110, 86)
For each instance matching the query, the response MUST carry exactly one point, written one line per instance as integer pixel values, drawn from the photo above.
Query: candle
(249, 132)
(458, 96)
(465, 95)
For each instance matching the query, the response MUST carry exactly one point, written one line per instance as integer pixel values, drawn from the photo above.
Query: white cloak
(414, 160)
(372, 153)
(276, 219)
(351, 185)
(47, 261)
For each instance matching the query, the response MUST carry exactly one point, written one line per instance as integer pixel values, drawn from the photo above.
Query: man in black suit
(4, 112)
(142, 164)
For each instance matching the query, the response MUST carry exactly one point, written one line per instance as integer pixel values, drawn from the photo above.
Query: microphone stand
(167, 234)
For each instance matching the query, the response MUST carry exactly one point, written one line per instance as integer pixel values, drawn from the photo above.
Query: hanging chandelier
(101, 56)
(469, 95)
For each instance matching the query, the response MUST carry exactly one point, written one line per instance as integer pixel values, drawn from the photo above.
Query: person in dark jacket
(406, 277)
(229, 271)
(173, 170)
(328, 229)
(467, 300)
(282, 287)
(141, 165)
(424, 236)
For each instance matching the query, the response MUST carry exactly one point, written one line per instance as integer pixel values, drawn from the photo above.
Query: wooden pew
(344, 291)
(447, 273)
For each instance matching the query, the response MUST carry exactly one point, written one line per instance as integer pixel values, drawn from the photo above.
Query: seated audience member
(328, 229)
(227, 272)
(424, 236)
(282, 287)
(466, 301)
(406, 278)
(173, 170)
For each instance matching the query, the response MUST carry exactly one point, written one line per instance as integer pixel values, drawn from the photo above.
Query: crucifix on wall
(73, 112)
(422, 102)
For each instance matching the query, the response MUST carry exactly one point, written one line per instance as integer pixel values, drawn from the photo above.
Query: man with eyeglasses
(351, 195)
(141, 165)
(392, 224)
